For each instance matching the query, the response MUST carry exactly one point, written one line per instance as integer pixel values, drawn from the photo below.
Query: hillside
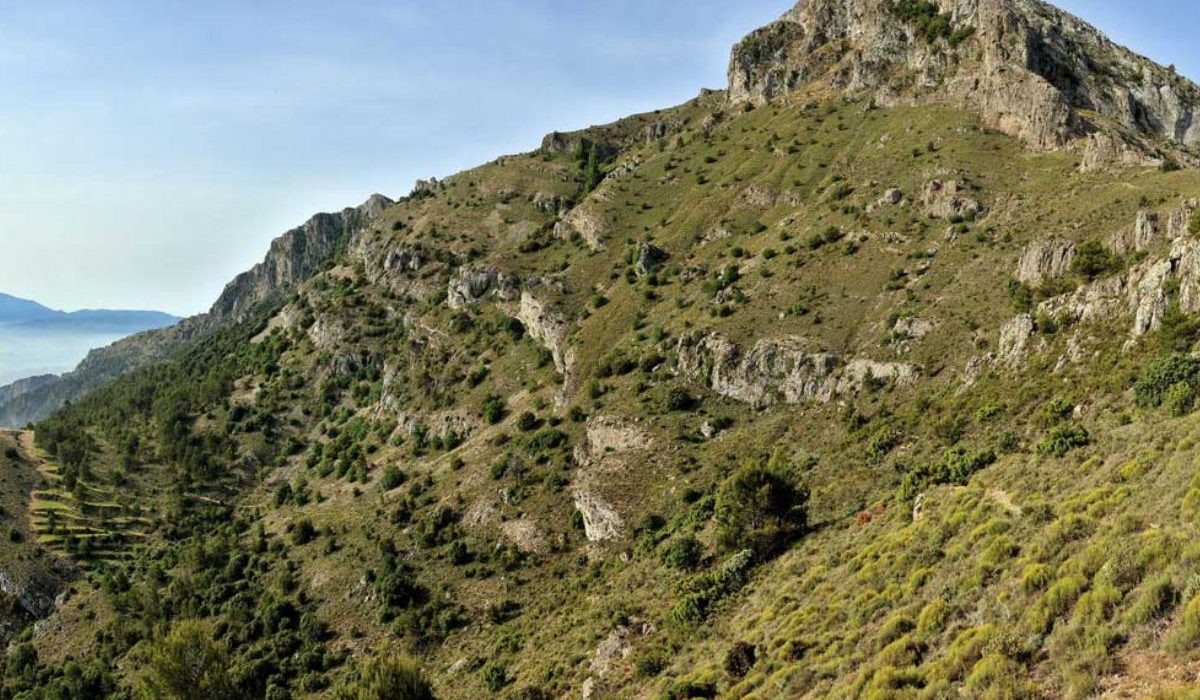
(869, 376)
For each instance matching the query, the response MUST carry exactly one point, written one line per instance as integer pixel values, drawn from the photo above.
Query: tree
(591, 171)
(762, 506)
(187, 664)
(388, 675)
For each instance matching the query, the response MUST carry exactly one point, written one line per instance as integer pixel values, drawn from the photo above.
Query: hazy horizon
(153, 151)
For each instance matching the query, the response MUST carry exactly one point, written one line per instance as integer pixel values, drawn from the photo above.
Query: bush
(495, 676)
(386, 676)
(1061, 440)
(392, 477)
(1180, 399)
(493, 409)
(740, 659)
(187, 664)
(679, 400)
(683, 553)
(304, 532)
(761, 506)
(527, 422)
(1151, 388)
(955, 467)
(1092, 260)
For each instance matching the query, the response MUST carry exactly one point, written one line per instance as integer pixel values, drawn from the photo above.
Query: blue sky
(151, 150)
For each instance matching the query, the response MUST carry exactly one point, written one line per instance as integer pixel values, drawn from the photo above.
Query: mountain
(293, 257)
(30, 314)
(36, 340)
(16, 310)
(871, 375)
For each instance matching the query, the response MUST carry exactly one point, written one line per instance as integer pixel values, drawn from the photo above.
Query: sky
(150, 151)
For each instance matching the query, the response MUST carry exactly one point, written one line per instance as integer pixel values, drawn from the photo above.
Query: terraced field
(92, 523)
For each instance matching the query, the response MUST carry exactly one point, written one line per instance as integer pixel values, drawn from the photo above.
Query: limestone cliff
(1030, 70)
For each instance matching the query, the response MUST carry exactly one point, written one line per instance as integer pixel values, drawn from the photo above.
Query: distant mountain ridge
(15, 311)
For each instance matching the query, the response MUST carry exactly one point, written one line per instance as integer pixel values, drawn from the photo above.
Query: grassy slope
(854, 606)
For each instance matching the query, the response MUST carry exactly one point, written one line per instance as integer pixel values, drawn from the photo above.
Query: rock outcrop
(781, 370)
(1030, 70)
(588, 222)
(471, 285)
(1044, 260)
(949, 199)
(1140, 236)
(548, 327)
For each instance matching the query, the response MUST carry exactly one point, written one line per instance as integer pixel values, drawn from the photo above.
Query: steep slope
(294, 257)
(815, 395)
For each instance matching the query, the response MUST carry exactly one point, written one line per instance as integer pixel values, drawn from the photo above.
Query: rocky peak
(296, 256)
(1030, 70)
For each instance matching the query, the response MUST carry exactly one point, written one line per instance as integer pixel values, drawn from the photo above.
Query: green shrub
(303, 532)
(392, 477)
(527, 422)
(740, 658)
(1187, 630)
(495, 676)
(493, 409)
(956, 466)
(1092, 260)
(187, 664)
(683, 553)
(1160, 376)
(1154, 599)
(1062, 439)
(1035, 577)
(1180, 399)
(761, 506)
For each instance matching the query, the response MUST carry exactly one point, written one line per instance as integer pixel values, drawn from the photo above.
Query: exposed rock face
(1179, 222)
(601, 521)
(913, 327)
(1014, 339)
(1030, 70)
(1045, 260)
(1142, 292)
(470, 285)
(608, 434)
(35, 594)
(525, 535)
(780, 370)
(295, 257)
(548, 327)
(948, 199)
(1143, 233)
(586, 221)
(22, 387)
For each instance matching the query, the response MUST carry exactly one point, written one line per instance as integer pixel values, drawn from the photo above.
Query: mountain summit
(1031, 70)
